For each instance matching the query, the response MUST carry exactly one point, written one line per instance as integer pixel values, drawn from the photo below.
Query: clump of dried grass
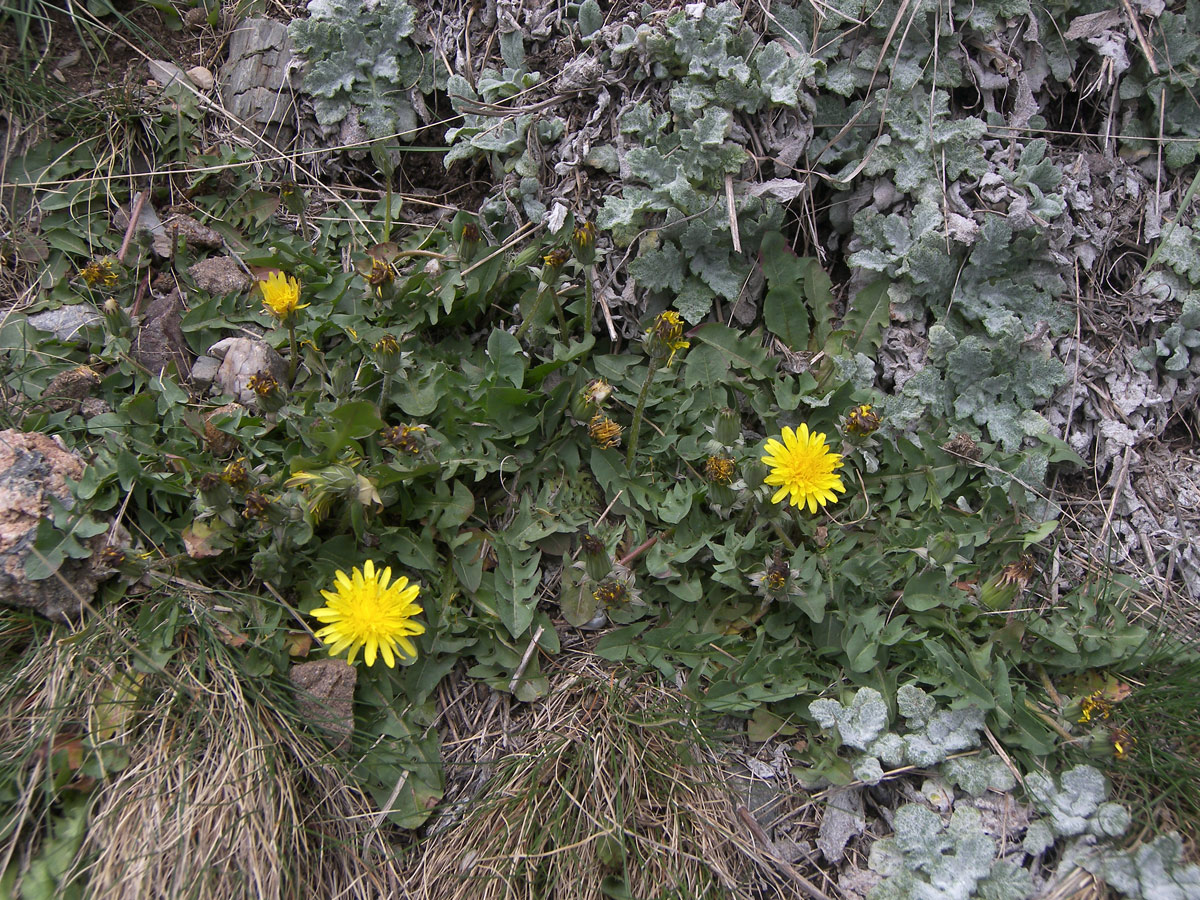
(610, 787)
(215, 790)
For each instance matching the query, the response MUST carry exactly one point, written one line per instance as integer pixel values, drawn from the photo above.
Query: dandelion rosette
(802, 465)
(281, 295)
(368, 611)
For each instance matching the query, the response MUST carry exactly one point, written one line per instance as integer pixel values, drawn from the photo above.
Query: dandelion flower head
(369, 611)
(281, 295)
(802, 465)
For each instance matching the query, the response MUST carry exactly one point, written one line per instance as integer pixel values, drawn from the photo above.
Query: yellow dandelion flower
(369, 611)
(281, 295)
(803, 466)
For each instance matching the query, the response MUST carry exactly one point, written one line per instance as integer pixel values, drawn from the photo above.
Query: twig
(733, 222)
(761, 836)
(1118, 486)
(136, 213)
(637, 551)
(533, 641)
(387, 807)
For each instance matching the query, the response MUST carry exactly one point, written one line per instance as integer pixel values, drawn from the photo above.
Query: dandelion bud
(468, 241)
(591, 399)
(387, 354)
(664, 337)
(729, 427)
(595, 557)
(583, 242)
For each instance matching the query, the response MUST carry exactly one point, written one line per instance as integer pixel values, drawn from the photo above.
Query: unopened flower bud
(595, 558)
(729, 427)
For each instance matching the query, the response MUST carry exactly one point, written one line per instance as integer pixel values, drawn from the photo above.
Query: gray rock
(242, 359)
(33, 469)
(325, 695)
(159, 339)
(255, 82)
(204, 371)
(66, 322)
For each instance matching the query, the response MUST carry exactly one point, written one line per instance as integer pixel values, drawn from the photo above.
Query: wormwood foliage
(361, 64)
(952, 849)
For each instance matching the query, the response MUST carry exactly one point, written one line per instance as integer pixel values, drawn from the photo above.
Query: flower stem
(384, 391)
(588, 300)
(533, 313)
(636, 425)
(293, 352)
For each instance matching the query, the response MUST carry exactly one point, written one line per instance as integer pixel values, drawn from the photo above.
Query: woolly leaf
(915, 705)
(858, 724)
(978, 774)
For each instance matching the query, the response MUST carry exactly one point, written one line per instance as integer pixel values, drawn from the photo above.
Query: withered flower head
(1018, 573)
(962, 444)
(862, 420)
(776, 578)
(209, 482)
(719, 469)
(112, 557)
(381, 273)
(235, 474)
(406, 438)
(1122, 741)
(1095, 706)
(263, 385)
(257, 505)
(557, 258)
(100, 271)
(611, 592)
(604, 432)
(591, 544)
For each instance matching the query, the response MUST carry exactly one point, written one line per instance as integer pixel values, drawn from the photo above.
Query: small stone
(68, 389)
(94, 406)
(159, 340)
(325, 695)
(204, 371)
(220, 275)
(201, 77)
(197, 235)
(243, 359)
(196, 17)
(165, 72)
(33, 469)
(220, 444)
